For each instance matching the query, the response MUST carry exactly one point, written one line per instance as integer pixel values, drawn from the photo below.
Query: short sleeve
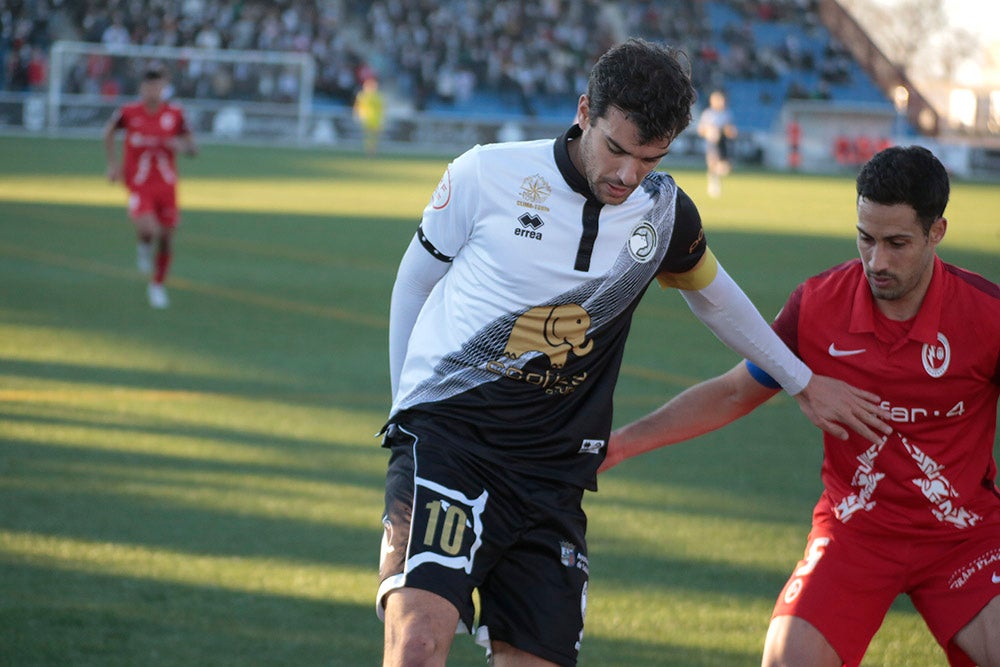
(450, 215)
(182, 126)
(786, 324)
(687, 244)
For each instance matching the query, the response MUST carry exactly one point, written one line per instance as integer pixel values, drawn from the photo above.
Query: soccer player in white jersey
(508, 322)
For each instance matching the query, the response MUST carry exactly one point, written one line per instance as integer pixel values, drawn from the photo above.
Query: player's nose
(877, 258)
(629, 171)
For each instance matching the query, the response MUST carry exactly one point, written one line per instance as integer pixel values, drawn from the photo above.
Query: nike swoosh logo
(996, 578)
(834, 352)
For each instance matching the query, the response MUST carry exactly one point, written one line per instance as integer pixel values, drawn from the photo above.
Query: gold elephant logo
(553, 331)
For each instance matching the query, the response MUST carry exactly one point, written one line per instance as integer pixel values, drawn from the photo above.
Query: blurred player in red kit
(154, 131)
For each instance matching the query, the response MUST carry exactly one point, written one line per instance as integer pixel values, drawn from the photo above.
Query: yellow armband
(699, 277)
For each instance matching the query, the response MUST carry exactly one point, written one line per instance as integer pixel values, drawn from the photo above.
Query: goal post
(233, 94)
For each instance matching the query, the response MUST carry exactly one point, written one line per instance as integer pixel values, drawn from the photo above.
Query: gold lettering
(535, 378)
(553, 383)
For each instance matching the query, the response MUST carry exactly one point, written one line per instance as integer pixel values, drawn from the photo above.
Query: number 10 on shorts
(453, 526)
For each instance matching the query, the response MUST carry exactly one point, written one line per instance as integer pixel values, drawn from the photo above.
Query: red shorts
(160, 199)
(848, 579)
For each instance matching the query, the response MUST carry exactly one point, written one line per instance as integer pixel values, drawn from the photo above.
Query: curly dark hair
(908, 175)
(648, 83)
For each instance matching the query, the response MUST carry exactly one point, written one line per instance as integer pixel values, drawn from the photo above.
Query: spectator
(116, 34)
(369, 109)
(37, 69)
(17, 69)
(208, 37)
(430, 53)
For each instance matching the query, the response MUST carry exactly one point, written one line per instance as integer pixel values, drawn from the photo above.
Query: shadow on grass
(141, 379)
(51, 617)
(198, 507)
(598, 651)
(668, 574)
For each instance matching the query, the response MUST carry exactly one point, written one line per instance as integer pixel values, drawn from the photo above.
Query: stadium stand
(504, 59)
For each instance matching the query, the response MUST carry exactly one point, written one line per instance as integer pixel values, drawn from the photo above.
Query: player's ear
(583, 112)
(937, 230)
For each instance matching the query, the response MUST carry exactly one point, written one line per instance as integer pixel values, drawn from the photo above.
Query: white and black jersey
(517, 349)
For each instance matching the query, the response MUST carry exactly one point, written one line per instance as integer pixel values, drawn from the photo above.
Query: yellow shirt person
(369, 109)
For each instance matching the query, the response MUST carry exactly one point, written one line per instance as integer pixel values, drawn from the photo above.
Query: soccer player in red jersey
(154, 131)
(915, 512)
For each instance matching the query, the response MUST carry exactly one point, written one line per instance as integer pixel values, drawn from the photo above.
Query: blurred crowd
(427, 52)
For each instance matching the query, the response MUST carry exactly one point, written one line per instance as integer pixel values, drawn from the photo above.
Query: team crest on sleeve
(936, 358)
(442, 193)
(642, 242)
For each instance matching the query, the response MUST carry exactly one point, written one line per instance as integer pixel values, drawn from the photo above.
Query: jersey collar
(573, 178)
(925, 325)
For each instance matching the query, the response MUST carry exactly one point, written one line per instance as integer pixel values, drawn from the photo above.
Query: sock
(164, 254)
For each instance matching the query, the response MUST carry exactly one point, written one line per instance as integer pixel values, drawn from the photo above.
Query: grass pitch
(202, 485)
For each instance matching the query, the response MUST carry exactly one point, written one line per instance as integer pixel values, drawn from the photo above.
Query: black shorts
(722, 149)
(455, 523)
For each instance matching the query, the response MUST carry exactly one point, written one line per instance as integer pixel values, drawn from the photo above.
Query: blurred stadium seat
(512, 60)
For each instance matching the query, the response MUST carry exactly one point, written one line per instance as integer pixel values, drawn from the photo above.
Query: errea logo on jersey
(530, 225)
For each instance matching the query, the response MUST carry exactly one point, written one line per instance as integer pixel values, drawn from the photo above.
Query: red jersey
(939, 377)
(150, 143)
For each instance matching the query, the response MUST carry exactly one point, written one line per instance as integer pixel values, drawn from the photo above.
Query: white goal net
(230, 94)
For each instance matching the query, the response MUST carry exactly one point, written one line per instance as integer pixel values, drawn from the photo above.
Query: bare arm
(110, 151)
(714, 403)
(187, 145)
(700, 409)
(828, 403)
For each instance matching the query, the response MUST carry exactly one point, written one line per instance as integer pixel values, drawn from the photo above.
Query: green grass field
(201, 486)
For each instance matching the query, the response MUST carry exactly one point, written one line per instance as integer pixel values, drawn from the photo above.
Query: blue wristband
(761, 376)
